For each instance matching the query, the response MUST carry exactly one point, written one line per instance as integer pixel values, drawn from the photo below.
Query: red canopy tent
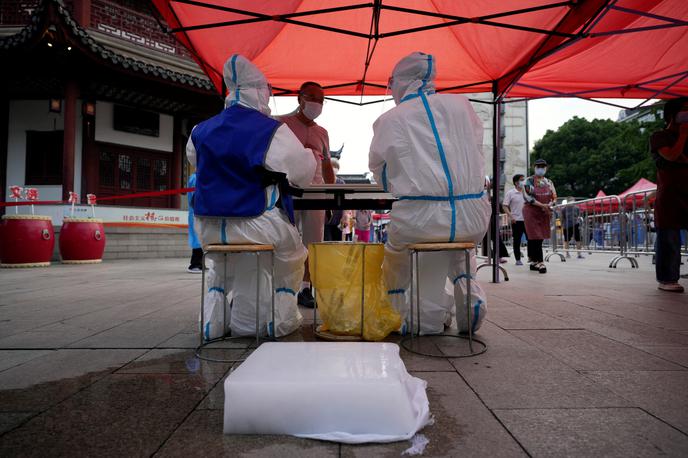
(643, 188)
(514, 48)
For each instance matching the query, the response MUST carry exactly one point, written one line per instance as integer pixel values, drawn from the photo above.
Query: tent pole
(496, 175)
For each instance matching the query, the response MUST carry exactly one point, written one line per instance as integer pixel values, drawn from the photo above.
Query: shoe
(580, 256)
(305, 298)
(194, 270)
(534, 266)
(542, 269)
(672, 287)
(503, 260)
(519, 263)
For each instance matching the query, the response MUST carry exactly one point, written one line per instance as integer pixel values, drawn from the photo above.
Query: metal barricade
(602, 224)
(641, 233)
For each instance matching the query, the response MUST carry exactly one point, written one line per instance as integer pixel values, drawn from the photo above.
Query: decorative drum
(82, 240)
(26, 241)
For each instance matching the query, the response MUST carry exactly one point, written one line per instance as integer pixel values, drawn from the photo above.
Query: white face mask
(311, 110)
(521, 183)
(539, 171)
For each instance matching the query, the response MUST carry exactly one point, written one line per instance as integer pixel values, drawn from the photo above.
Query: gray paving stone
(120, 415)
(583, 309)
(201, 434)
(517, 317)
(678, 355)
(516, 374)
(11, 358)
(132, 334)
(663, 394)
(44, 381)
(176, 361)
(463, 425)
(10, 420)
(593, 432)
(584, 350)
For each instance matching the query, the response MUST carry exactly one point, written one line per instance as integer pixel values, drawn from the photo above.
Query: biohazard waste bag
(347, 278)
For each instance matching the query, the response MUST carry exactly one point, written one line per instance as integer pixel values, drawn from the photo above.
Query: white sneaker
(671, 287)
(194, 270)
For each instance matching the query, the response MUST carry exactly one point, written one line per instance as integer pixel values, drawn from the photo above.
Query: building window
(123, 170)
(44, 157)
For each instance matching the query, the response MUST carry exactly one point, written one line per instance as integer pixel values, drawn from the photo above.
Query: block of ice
(349, 392)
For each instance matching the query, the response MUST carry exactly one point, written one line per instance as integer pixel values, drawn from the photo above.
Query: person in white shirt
(513, 207)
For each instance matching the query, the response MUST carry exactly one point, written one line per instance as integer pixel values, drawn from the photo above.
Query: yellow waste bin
(350, 293)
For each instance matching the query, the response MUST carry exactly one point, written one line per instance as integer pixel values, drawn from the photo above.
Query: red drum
(82, 240)
(26, 241)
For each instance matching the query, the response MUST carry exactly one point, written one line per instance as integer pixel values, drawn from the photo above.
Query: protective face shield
(246, 84)
(682, 117)
(414, 72)
(540, 171)
(311, 110)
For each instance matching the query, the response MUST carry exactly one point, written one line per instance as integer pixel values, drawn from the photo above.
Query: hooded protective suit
(234, 133)
(427, 152)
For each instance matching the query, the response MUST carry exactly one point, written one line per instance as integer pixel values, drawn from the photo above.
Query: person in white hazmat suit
(234, 204)
(427, 152)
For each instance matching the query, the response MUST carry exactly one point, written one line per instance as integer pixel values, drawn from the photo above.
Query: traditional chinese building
(96, 98)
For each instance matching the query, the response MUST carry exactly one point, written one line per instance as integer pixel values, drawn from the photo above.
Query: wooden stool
(416, 248)
(256, 249)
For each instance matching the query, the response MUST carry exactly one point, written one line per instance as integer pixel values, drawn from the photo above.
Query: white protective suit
(427, 151)
(247, 86)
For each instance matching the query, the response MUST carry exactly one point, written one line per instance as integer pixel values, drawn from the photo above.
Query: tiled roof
(38, 24)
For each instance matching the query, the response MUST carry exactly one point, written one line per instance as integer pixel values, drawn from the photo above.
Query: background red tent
(628, 196)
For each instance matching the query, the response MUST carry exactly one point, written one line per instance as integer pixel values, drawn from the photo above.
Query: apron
(537, 219)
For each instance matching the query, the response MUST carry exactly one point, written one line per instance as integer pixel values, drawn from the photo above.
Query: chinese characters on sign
(152, 217)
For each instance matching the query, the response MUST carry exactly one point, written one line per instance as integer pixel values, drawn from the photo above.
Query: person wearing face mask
(513, 206)
(242, 157)
(539, 195)
(427, 152)
(669, 148)
(302, 122)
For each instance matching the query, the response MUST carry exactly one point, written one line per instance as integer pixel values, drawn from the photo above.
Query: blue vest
(231, 149)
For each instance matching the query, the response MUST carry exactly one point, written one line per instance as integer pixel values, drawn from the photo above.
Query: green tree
(586, 156)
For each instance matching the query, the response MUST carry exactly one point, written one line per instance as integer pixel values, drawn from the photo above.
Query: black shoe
(542, 269)
(533, 266)
(305, 298)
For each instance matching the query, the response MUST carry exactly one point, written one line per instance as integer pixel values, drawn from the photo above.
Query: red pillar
(89, 158)
(70, 114)
(82, 12)
(4, 126)
(177, 156)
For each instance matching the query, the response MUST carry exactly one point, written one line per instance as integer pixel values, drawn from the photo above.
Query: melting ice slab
(349, 392)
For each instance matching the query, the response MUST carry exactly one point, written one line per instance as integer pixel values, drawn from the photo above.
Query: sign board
(124, 216)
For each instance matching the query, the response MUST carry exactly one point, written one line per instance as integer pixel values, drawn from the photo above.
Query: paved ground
(582, 361)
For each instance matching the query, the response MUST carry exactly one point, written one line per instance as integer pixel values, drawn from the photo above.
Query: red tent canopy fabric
(600, 193)
(531, 48)
(640, 185)
(628, 198)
